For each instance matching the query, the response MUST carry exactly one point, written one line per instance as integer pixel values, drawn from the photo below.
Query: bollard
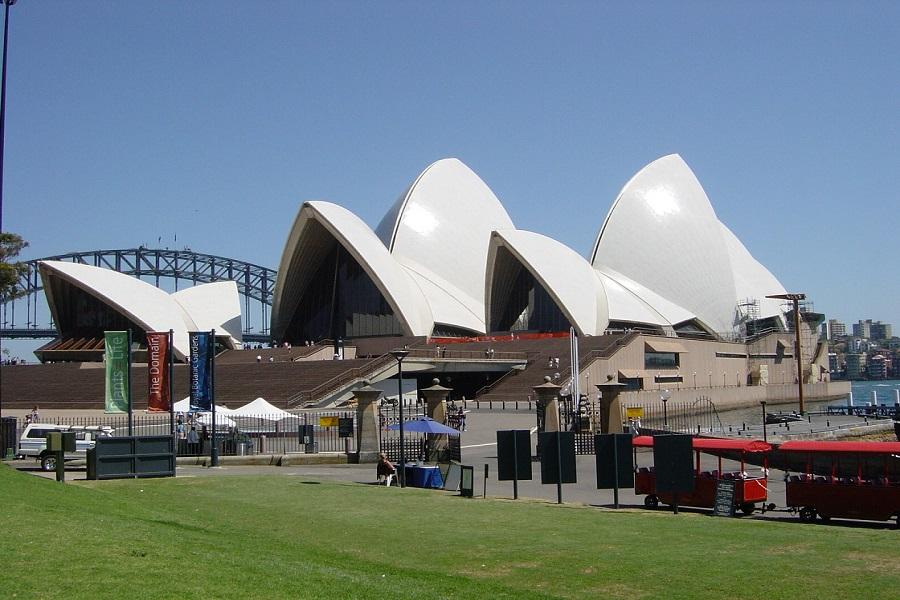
(809, 418)
(827, 423)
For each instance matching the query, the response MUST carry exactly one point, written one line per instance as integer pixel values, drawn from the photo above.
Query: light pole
(6, 5)
(796, 298)
(399, 355)
(765, 432)
(664, 396)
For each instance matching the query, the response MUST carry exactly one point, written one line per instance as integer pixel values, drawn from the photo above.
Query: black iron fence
(236, 435)
(698, 416)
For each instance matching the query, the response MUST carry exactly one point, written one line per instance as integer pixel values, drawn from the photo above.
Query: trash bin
(242, 448)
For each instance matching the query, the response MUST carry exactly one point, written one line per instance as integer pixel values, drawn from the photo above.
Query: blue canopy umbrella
(425, 425)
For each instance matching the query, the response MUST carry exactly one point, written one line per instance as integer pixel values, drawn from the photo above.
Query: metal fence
(699, 416)
(253, 434)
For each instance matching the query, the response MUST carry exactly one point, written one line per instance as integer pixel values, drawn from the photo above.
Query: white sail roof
(300, 259)
(439, 230)
(144, 304)
(214, 306)
(663, 234)
(566, 276)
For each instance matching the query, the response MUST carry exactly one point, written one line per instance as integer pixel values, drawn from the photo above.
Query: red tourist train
(872, 491)
(852, 480)
(748, 489)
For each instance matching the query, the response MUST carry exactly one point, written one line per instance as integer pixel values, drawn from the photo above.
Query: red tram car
(872, 494)
(748, 490)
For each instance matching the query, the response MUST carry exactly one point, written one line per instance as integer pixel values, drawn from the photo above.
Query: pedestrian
(258, 358)
(193, 441)
(549, 362)
(385, 470)
(35, 416)
(461, 417)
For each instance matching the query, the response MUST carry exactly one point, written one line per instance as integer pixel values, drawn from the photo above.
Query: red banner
(158, 399)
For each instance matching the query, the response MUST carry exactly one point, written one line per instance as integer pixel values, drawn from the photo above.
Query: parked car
(33, 442)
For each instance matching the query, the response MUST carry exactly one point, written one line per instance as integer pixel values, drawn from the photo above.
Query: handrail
(486, 388)
(339, 380)
(431, 353)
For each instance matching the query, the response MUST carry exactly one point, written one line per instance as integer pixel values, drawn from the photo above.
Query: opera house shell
(85, 301)
(446, 260)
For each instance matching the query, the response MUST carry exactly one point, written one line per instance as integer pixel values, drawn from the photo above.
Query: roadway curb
(274, 460)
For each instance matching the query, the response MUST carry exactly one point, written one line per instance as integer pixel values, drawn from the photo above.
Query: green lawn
(291, 537)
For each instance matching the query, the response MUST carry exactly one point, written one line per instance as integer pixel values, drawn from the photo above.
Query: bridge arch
(255, 284)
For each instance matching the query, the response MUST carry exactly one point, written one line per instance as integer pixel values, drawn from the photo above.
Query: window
(660, 360)
(668, 379)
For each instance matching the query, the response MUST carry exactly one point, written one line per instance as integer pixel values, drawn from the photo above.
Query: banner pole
(171, 357)
(214, 449)
(128, 386)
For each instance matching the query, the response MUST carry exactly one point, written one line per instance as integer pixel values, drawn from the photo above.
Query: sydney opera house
(667, 296)
(447, 260)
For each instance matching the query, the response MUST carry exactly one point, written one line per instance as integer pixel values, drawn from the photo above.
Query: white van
(33, 442)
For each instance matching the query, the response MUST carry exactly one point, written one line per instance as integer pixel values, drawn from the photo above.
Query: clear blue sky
(213, 121)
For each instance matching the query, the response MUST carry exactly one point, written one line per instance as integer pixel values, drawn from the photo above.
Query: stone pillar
(367, 438)
(436, 408)
(546, 398)
(610, 411)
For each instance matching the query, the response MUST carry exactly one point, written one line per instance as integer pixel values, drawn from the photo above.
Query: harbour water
(886, 391)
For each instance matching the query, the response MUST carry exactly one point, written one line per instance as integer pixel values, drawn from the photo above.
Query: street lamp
(765, 432)
(399, 355)
(796, 298)
(664, 396)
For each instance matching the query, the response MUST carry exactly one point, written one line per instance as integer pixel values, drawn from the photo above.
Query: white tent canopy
(221, 420)
(184, 406)
(261, 409)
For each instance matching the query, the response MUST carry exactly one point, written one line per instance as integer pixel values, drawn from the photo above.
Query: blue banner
(201, 369)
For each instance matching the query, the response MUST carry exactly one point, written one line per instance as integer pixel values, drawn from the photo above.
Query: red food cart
(872, 493)
(748, 490)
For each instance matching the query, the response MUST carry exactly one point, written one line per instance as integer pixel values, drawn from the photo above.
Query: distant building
(877, 367)
(880, 331)
(833, 365)
(836, 329)
(863, 329)
(856, 365)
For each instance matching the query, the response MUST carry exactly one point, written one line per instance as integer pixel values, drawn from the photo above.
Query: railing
(340, 381)
(487, 354)
(252, 434)
(487, 388)
(697, 417)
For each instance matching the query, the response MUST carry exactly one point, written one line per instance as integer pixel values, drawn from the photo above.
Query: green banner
(117, 369)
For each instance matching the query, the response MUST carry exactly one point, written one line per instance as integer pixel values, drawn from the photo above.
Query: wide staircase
(80, 386)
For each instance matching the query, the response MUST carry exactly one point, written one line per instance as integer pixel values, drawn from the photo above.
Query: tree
(10, 246)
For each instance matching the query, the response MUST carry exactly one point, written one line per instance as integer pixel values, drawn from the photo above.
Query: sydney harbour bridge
(29, 317)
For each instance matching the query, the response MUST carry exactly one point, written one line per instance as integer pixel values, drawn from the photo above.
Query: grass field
(292, 537)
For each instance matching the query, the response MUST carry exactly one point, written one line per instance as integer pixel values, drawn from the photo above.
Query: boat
(779, 418)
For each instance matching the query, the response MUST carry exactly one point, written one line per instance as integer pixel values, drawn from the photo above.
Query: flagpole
(171, 366)
(214, 449)
(128, 385)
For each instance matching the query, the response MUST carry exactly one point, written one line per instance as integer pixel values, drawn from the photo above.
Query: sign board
(724, 503)
(557, 457)
(345, 427)
(634, 412)
(134, 456)
(673, 461)
(613, 452)
(514, 455)
(328, 421)
(453, 476)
